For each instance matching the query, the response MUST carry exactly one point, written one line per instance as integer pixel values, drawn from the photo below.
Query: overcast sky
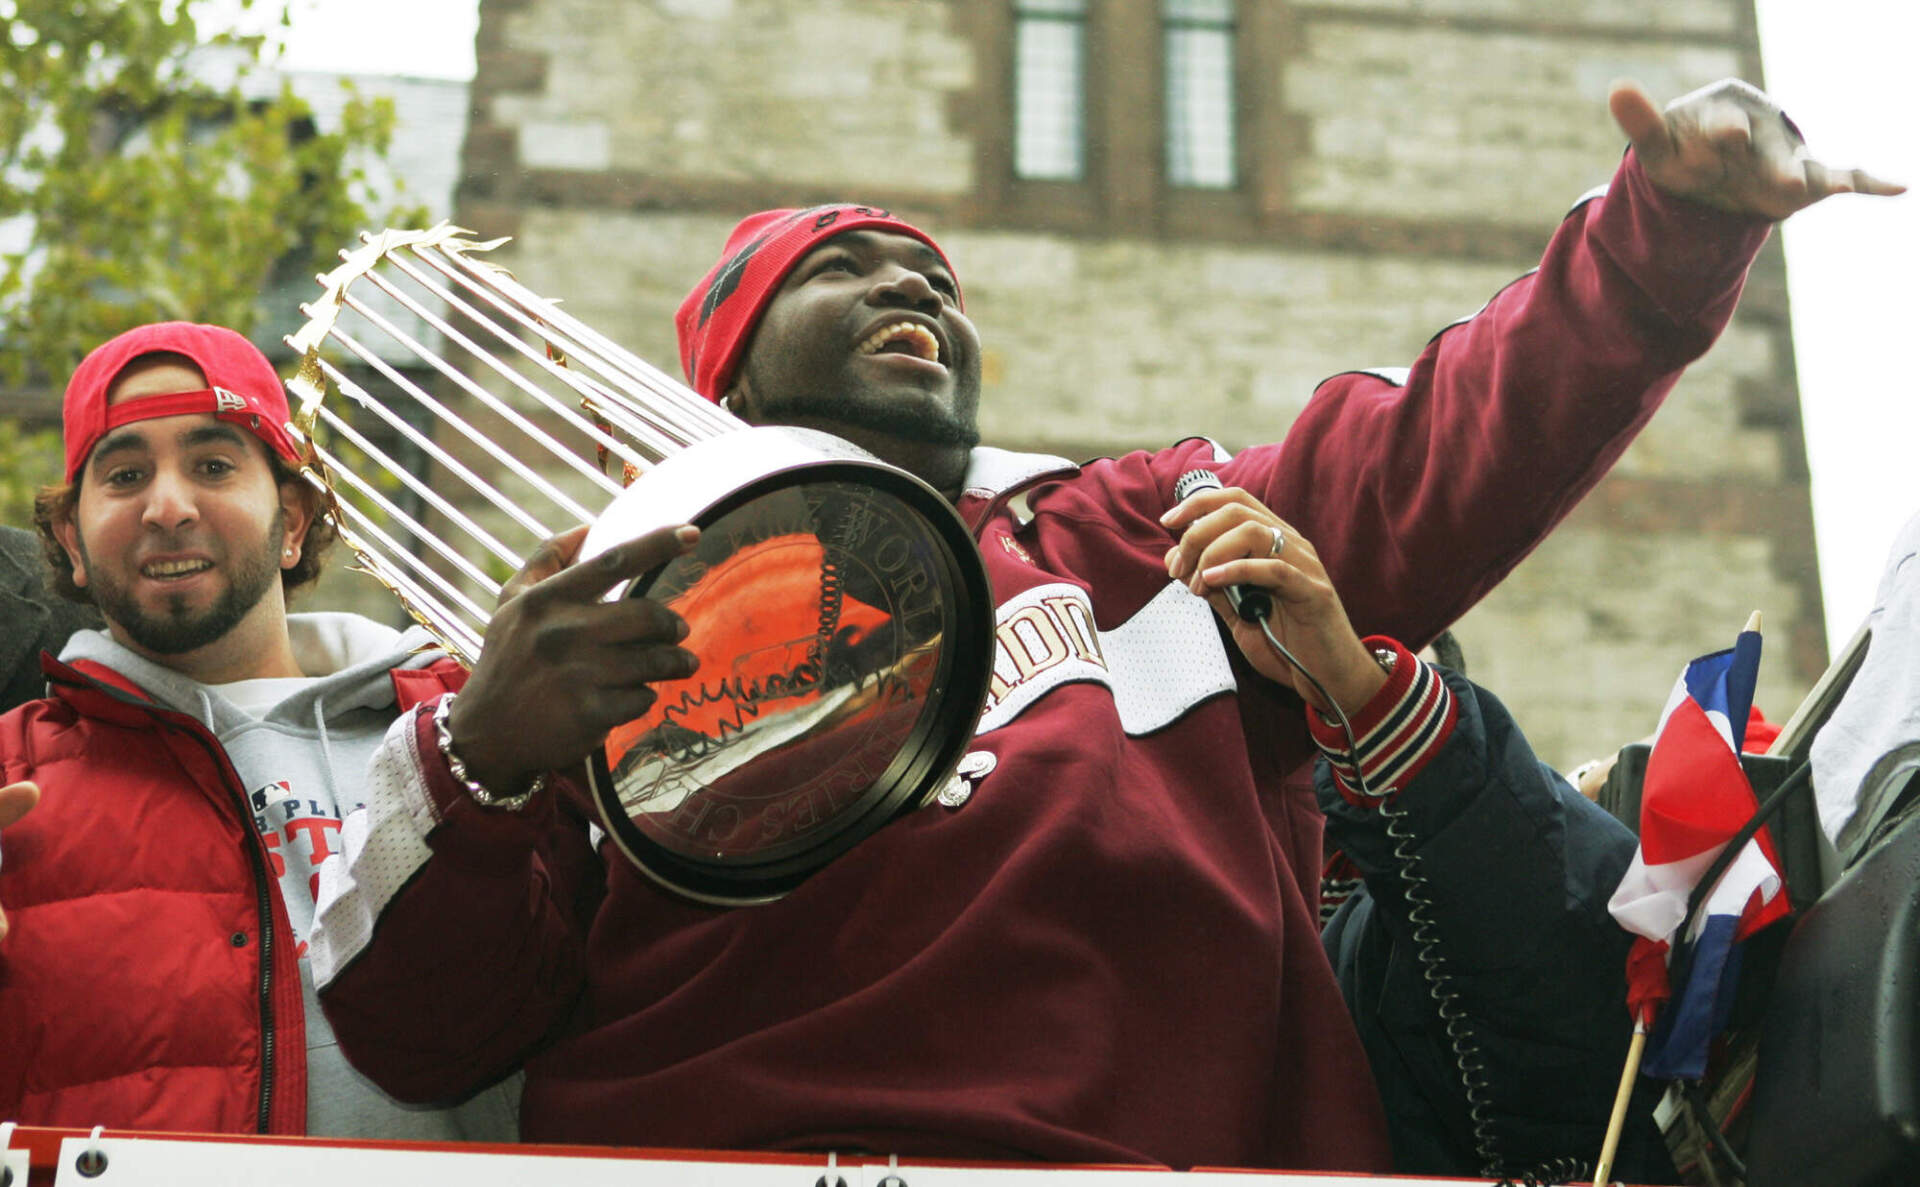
(1843, 68)
(421, 38)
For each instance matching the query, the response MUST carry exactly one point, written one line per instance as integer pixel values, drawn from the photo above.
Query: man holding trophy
(1101, 947)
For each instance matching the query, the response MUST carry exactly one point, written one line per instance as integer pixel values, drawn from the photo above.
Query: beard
(179, 628)
(917, 421)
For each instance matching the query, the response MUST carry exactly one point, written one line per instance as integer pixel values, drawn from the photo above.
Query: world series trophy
(838, 605)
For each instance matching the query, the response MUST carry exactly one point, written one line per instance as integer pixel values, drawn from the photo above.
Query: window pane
(1049, 89)
(1213, 12)
(1200, 104)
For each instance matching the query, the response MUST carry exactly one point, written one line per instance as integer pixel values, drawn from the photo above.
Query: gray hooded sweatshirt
(301, 748)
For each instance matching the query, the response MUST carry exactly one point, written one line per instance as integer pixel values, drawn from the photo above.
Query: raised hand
(560, 667)
(1227, 537)
(16, 799)
(1729, 145)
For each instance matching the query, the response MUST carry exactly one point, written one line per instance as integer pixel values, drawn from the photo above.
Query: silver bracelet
(443, 737)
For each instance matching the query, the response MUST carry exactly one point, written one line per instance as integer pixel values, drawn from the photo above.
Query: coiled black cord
(832, 599)
(1552, 1173)
(1468, 1060)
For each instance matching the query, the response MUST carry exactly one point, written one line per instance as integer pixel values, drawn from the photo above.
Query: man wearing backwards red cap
(188, 773)
(1108, 952)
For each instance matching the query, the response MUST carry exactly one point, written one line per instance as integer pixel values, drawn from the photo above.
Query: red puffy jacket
(148, 978)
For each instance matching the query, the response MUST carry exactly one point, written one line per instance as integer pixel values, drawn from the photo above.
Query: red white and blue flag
(1694, 799)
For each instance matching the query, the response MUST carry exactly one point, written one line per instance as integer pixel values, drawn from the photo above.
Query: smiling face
(865, 339)
(180, 532)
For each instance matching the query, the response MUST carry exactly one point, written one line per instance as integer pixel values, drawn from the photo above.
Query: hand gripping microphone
(1255, 605)
(1250, 602)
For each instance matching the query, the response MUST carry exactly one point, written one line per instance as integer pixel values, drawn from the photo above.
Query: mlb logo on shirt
(259, 796)
(226, 401)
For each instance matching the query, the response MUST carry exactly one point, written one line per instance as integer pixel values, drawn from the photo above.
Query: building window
(1199, 74)
(1050, 44)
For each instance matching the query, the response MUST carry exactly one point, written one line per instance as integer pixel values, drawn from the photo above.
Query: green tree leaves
(148, 172)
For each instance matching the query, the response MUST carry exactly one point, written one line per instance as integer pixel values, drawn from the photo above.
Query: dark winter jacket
(1518, 867)
(31, 619)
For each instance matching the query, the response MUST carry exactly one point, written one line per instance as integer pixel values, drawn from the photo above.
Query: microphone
(1255, 605)
(1250, 602)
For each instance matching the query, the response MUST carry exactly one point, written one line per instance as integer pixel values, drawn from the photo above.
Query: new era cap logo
(226, 401)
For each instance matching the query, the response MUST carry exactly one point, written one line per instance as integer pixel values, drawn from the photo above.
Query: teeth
(917, 337)
(175, 568)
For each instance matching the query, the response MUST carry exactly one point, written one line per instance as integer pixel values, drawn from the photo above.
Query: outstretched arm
(1423, 490)
(1730, 146)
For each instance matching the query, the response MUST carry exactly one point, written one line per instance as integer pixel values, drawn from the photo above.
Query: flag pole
(1602, 1173)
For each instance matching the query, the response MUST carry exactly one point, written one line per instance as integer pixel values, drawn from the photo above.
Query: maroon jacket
(1110, 952)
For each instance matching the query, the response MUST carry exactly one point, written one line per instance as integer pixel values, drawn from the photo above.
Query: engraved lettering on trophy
(806, 813)
(906, 574)
(690, 815)
(703, 819)
(689, 572)
(857, 525)
(806, 808)
(721, 833)
(908, 582)
(744, 533)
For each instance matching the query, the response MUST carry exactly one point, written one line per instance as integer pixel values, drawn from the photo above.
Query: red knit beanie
(716, 320)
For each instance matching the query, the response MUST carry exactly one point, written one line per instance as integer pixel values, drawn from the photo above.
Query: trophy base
(844, 626)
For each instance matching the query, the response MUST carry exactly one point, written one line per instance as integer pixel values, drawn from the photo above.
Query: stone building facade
(1392, 163)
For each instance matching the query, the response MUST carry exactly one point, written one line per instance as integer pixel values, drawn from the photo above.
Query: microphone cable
(1468, 1060)
(1253, 604)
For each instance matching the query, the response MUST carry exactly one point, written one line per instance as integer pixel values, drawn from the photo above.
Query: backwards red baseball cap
(717, 318)
(242, 388)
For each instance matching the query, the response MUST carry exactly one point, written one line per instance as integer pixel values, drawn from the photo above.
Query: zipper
(264, 906)
(263, 887)
(1002, 498)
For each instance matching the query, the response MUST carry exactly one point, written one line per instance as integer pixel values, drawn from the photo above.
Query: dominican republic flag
(1694, 799)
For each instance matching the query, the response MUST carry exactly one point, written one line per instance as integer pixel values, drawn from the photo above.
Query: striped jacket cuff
(1397, 733)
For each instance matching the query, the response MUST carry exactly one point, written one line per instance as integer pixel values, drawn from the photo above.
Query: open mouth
(174, 570)
(903, 337)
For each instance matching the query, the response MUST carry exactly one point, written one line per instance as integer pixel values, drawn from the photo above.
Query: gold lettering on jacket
(1044, 637)
(1162, 661)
